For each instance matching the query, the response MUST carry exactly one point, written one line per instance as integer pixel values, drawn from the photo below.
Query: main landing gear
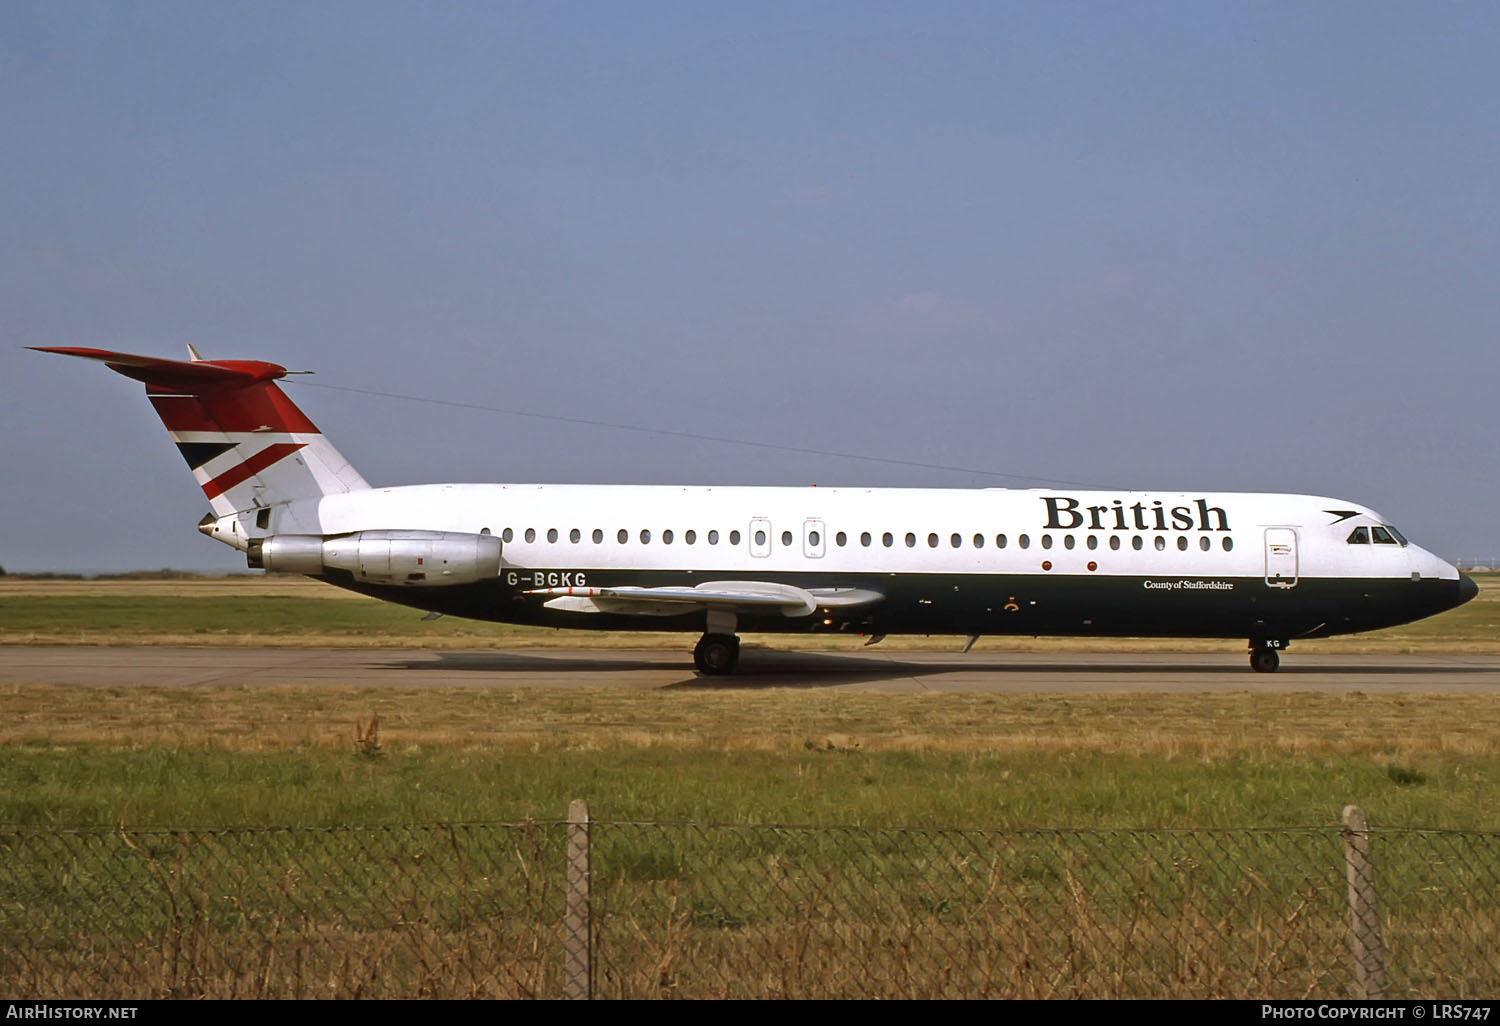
(718, 651)
(1265, 654)
(716, 654)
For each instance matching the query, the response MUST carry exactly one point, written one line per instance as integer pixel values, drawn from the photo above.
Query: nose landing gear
(1265, 654)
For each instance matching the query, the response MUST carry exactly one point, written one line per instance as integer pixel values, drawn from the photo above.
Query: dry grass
(1208, 728)
(288, 585)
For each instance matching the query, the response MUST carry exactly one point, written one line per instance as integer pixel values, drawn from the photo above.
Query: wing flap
(739, 596)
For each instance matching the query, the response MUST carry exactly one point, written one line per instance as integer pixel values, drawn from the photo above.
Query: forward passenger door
(1281, 557)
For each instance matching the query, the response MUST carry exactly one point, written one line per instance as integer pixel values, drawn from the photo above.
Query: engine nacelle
(410, 558)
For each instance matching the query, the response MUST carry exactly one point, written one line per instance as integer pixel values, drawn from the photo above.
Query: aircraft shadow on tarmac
(764, 668)
(759, 668)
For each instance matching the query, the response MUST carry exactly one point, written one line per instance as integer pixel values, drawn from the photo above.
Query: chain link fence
(636, 910)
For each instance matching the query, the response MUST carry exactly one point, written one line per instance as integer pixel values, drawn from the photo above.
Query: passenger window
(1114, 543)
(598, 536)
(1024, 541)
(864, 539)
(690, 536)
(1359, 536)
(1068, 541)
(999, 541)
(932, 541)
(1228, 544)
(911, 540)
(841, 539)
(623, 536)
(575, 536)
(734, 537)
(1046, 541)
(760, 537)
(786, 538)
(530, 534)
(1203, 543)
(713, 537)
(887, 539)
(506, 535)
(645, 537)
(1382, 536)
(1182, 543)
(1092, 542)
(813, 539)
(956, 541)
(666, 537)
(1161, 543)
(1136, 543)
(979, 541)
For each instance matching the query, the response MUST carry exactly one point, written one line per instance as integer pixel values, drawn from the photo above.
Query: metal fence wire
(702, 911)
(412, 911)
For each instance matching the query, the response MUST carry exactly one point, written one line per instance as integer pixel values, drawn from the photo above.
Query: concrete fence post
(1364, 914)
(578, 974)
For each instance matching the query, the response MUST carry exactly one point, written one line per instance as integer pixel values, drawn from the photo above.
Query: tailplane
(248, 445)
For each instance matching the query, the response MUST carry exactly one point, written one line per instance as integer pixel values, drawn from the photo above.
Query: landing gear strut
(716, 654)
(1265, 655)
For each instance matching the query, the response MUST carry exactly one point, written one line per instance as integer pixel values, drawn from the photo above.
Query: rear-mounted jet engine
(412, 558)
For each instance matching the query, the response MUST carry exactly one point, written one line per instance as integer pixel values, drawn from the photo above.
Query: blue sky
(1176, 245)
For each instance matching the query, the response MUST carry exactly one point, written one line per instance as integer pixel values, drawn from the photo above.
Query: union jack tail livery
(249, 446)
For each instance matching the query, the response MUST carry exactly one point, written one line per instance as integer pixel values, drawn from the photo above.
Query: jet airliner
(1271, 569)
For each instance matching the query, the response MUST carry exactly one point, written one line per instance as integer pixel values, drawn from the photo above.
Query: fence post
(1364, 916)
(578, 975)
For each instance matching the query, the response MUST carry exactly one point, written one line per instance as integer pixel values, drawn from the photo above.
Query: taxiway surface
(759, 668)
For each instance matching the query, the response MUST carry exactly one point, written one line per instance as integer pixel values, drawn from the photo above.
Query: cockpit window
(1400, 539)
(1382, 536)
(1359, 536)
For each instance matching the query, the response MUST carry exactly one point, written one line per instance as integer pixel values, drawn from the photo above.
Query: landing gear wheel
(1264, 660)
(716, 654)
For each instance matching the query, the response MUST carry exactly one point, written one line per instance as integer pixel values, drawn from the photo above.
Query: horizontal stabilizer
(188, 377)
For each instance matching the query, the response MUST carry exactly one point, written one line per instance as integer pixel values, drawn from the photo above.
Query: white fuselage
(883, 530)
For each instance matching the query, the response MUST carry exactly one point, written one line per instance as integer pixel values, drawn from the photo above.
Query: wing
(735, 596)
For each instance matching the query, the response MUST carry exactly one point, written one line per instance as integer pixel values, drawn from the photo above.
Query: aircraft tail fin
(247, 444)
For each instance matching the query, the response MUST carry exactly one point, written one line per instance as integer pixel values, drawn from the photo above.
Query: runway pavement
(871, 669)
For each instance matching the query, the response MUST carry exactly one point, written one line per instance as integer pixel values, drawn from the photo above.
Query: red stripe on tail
(254, 465)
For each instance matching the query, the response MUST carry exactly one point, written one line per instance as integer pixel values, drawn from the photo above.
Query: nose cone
(1467, 589)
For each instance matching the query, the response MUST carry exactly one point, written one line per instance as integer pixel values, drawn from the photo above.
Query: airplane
(1269, 568)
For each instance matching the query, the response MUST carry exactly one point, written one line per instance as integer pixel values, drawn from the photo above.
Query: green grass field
(708, 911)
(210, 757)
(292, 756)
